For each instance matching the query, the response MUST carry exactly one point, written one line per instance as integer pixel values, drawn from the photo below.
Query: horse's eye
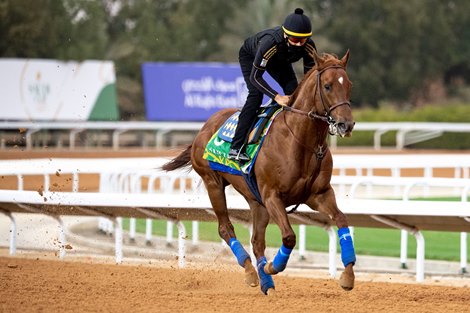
(328, 87)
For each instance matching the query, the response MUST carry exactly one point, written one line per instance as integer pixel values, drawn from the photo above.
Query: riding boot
(237, 148)
(245, 121)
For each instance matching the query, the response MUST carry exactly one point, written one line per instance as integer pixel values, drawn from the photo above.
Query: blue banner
(193, 91)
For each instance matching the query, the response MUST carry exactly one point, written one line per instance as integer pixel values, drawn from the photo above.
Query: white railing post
(463, 253)
(20, 181)
(404, 249)
(169, 233)
(302, 241)
(12, 250)
(195, 239)
(47, 183)
(75, 182)
(116, 134)
(181, 244)
(118, 239)
(12, 235)
(400, 138)
(419, 256)
(377, 135)
(132, 226)
(72, 135)
(148, 231)
(29, 138)
(463, 235)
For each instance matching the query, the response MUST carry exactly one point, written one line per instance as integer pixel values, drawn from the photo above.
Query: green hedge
(448, 113)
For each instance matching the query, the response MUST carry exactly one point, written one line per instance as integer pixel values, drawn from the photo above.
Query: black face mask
(294, 52)
(294, 49)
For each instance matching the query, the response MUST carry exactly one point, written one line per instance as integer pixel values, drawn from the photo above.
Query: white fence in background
(123, 191)
(408, 132)
(36, 133)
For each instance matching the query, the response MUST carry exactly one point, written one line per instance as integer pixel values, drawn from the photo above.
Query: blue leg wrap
(239, 251)
(265, 280)
(347, 247)
(281, 258)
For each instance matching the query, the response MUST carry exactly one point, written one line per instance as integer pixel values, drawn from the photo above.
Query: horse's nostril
(345, 127)
(342, 127)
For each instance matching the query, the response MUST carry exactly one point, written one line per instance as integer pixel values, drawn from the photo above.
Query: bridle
(327, 116)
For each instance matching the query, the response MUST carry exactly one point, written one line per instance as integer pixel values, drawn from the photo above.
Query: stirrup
(238, 155)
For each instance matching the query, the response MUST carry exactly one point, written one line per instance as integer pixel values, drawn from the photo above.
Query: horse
(293, 166)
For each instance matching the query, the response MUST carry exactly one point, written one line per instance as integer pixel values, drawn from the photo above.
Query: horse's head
(331, 93)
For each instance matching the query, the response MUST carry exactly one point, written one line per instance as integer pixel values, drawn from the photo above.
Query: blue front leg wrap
(347, 247)
(239, 251)
(266, 280)
(281, 258)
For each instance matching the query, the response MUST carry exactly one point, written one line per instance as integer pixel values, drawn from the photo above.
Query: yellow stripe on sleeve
(269, 51)
(271, 54)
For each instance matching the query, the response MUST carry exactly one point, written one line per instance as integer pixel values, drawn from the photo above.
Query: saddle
(217, 148)
(227, 131)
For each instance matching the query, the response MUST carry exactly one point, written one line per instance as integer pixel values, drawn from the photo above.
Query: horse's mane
(327, 59)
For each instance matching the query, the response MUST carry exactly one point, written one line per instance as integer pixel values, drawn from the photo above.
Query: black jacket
(271, 52)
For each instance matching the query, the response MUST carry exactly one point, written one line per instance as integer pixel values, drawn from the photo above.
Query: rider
(273, 50)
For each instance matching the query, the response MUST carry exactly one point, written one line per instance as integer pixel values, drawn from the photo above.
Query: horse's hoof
(271, 292)
(346, 281)
(269, 269)
(251, 277)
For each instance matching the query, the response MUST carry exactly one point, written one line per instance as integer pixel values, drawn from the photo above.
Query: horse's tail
(182, 160)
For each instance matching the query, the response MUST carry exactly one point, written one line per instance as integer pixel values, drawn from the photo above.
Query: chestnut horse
(293, 166)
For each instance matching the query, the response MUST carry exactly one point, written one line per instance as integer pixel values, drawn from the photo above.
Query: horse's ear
(316, 57)
(345, 59)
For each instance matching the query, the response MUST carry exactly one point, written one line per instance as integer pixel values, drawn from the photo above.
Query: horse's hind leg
(326, 203)
(215, 188)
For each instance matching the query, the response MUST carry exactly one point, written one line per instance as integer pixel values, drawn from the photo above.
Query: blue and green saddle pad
(217, 148)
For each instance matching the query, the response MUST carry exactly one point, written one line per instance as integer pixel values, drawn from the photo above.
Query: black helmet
(297, 24)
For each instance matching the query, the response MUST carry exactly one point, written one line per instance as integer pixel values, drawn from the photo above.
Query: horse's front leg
(326, 203)
(277, 211)
(260, 222)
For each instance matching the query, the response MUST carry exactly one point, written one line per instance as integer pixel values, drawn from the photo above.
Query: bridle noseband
(312, 115)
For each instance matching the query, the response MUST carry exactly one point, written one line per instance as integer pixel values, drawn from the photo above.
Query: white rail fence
(122, 184)
(36, 132)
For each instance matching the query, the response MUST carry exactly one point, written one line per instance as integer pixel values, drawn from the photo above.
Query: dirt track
(31, 285)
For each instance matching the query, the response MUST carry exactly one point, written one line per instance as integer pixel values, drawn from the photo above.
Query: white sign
(53, 90)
